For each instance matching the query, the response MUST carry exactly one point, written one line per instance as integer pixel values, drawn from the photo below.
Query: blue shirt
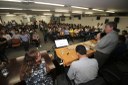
(66, 32)
(24, 38)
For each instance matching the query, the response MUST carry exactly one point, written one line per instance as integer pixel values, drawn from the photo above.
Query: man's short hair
(81, 49)
(113, 25)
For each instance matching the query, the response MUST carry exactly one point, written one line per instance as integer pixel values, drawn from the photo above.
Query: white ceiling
(116, 5)
(101, 4)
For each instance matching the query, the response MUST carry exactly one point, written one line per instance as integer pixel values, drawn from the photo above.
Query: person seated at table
(84, 69)
(12, 32)
(45, 35)
(7, 36)
(3, 44)
(35, 70)
(81, 33)
(121, 47)
(71, 31)
(54, 34)
(36, 39)
(76, 31)
(61, 33)
(25, 38)
(125, 33)
(66, 33)
(16, 35)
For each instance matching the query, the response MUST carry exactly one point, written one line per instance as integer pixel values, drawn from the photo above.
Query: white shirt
(7, 36)
(83, 70)
(16, 36)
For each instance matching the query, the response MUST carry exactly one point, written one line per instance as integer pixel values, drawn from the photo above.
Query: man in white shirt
(7, 36)
(84, 69)
(16, 35)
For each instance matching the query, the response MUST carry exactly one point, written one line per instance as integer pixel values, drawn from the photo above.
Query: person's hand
(98, 37)
(48, 69)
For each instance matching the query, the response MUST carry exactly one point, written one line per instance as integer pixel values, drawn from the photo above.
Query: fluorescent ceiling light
(47, 14)
(19, 13)
(31, 15)
(18, 1)
(61, 10)
(79, 7)
(4, 13)
(57, 15)
(48, 4)
(38, 10)
(12, 8)
(110, 11)
(88, 12)
(67, 15)
(97, 10)
(43, 16)
(13, 0)
(10, 15)
(77, 12)
(27, 1)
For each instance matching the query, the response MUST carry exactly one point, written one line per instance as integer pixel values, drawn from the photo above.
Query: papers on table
(73, 47)
(88, 45)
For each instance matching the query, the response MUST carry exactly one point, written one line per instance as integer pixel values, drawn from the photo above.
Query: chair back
(16, 42)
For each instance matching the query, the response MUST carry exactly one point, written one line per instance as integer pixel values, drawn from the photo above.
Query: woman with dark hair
(35, 69)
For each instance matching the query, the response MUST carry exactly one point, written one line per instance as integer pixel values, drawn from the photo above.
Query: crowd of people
(34, 71)
(14, 35)
(69, 31)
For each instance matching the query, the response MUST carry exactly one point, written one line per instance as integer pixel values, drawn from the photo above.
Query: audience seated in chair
(15, 42)
(35, 70)
(120, 49)
(36, 39)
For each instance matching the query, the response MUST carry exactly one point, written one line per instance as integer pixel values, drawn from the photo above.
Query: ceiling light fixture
(97, 10)
(110, 11)
(27, 1)
(57, 15)
(47, 14)
(13, 0)
(88, 12)
(77, 12)
(4, 13)
(38, 10)
(43, 16)
(49, 4)
(79, 7)
(19, 13)
(61, 10)
(10, 15)
(12, 8)
(67, 15)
